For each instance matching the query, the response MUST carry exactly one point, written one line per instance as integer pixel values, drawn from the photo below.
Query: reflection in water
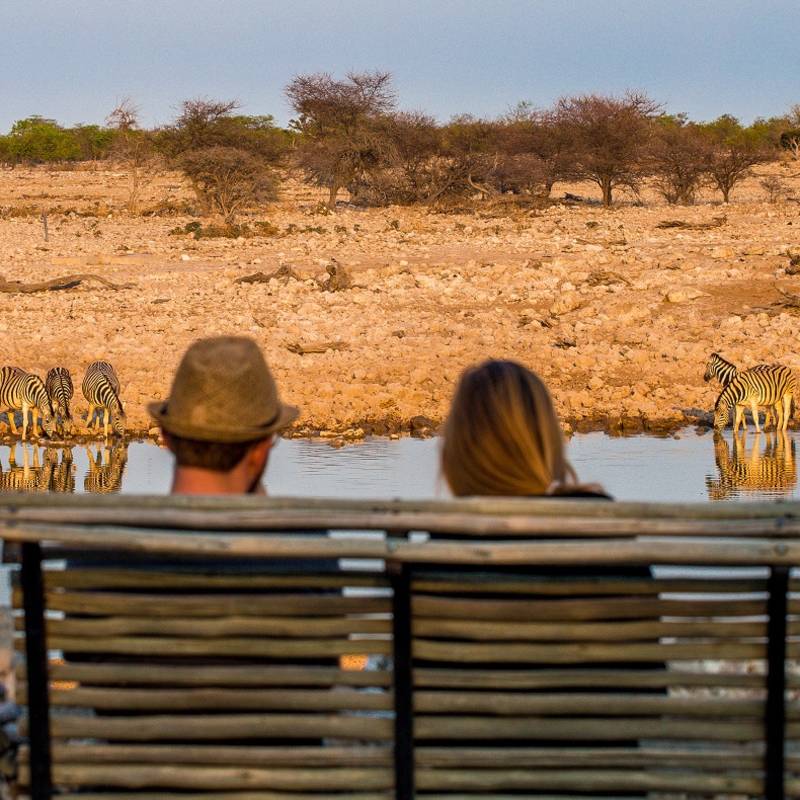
(106, 468)
(771, 470)
(52, 469)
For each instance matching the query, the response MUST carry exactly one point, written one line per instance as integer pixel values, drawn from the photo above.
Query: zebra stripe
(760, 386)
(20, 391)
(60, 390)
(721, 369)
(101, 390)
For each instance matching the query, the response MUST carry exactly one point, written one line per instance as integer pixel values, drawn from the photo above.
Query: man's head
(221, 417)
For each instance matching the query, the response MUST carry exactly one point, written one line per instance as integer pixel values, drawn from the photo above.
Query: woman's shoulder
(587, 492)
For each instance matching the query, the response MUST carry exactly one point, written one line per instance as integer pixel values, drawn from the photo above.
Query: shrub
(227, 179)
(680, 158)
(37, 140)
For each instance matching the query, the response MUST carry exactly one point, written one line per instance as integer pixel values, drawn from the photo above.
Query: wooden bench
(214, 648)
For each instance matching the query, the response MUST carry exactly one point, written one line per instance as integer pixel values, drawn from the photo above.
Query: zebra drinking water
(60, 390)
(21, 391)
(724, 372)
(773, 386)
(101, 390)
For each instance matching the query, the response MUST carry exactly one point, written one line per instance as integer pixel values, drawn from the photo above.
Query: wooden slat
(130, 776)
(215, 627)
(608, 704)
(562, 653)
(590, 780)
(222, 795)
(198, 727)
(559, 678)
(161, 578)
(151, 699)
(708, 759)
(569, 632)
(172, 605)
(219, 648)
(583, 609)
(482, 583)
(209, 676)
(252, 755)
(698, 549)
(585, 728)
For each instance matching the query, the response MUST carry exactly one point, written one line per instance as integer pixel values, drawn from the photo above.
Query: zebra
(60, 390)
(101, 390)
(724, 371)
(762, 386)
(106, 470)
(19, 390)
(741, 472)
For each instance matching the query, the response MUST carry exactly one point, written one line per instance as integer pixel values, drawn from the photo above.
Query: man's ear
(259, 452)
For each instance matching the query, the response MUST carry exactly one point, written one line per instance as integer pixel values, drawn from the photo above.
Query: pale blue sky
(72, 59)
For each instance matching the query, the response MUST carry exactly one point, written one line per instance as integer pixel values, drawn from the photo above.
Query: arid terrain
(615, 312)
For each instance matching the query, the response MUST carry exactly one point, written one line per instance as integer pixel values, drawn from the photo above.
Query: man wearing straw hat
(221, 418)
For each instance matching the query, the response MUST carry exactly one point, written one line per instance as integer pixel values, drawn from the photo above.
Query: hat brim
(159, 412)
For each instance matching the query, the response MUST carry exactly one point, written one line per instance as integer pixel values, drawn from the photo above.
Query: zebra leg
(105, 422)
(24, 421)
(89, 416)
(35, 421)
(787, 411)
(754, 410)
(12, 422)
(738, 418)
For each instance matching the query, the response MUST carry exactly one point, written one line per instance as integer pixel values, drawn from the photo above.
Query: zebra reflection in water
(106, 469)
(52, 469)
(771, 471)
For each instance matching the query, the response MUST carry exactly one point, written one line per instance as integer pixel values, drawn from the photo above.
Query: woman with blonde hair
(502, 437)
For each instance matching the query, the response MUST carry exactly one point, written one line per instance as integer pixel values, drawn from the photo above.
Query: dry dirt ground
(617, 314)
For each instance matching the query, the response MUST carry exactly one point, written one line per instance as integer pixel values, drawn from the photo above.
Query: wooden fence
(277, 649)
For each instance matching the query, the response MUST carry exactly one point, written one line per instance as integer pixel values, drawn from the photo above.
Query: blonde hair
(502, 436)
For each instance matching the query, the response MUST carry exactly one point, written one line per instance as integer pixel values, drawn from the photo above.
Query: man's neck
(193, 480)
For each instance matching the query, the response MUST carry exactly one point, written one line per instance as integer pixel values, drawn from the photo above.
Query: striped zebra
(101, 390)
(21, 391)
(724, 372)
(60, 390)
(106, 470)
(761, 386)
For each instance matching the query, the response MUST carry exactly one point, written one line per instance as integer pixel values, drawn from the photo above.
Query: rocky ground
(617, 313)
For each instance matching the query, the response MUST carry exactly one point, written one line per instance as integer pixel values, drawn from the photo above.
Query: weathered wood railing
(200, 648)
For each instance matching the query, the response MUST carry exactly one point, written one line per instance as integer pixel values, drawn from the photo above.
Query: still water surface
(690, 467)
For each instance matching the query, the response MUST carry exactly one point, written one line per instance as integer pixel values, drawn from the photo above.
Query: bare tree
(339, 121)
(133, 148)
(228, 179)
(609, 137)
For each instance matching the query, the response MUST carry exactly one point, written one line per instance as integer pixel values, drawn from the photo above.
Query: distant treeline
(348, 134)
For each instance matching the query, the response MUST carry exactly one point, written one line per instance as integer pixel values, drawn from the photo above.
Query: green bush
(37, 140)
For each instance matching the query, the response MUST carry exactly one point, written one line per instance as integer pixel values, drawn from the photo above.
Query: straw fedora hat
(223, 391)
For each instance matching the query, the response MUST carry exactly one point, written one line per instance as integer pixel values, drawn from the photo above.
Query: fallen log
(57, 284)
(321, 347)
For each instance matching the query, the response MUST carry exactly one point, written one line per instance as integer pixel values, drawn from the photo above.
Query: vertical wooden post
(38, 684)
(403, 683)
(775, 714)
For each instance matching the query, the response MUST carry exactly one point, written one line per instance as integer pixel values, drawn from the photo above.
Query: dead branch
(283, 273)
(320, 347)
(716, 222)
(58, 284)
